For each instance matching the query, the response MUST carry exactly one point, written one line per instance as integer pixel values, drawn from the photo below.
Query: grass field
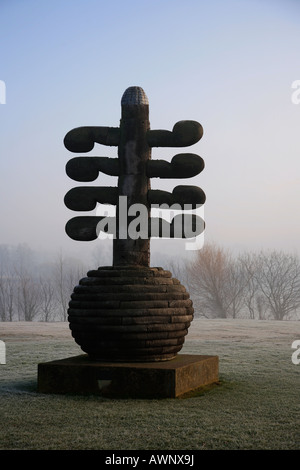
(255, 406)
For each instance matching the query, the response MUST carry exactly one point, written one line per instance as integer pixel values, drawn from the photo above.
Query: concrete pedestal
(167, 379)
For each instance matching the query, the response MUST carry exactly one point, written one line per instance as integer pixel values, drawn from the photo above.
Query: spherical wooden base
(125, 313)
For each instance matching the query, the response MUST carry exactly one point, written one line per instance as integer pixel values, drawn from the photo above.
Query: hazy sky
(228, 64)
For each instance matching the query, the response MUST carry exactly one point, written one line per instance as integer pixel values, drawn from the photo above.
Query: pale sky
(228, 64)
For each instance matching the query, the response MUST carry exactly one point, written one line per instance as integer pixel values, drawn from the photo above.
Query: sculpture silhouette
(130, 311)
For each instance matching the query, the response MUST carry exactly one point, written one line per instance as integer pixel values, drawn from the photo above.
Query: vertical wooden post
(133, 153)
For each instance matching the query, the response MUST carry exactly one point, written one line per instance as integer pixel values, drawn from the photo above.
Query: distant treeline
(32, 288)
(263, 285)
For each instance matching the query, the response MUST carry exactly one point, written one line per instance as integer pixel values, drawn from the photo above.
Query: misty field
(255, 406)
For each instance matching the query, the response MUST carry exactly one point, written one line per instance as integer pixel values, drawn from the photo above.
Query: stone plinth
(167, 379)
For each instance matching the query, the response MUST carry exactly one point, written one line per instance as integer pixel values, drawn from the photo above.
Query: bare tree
(217, 283)
(2, 299)
(261, 307)
(7, 297)
(278, 276)
(28, 299)
(264, 285)
(67, 273)
(48, 301)
(60, 282)
(254, 302)
(179, 270)
(7, 284)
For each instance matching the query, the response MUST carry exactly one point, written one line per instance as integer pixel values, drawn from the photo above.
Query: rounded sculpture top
(134, 95)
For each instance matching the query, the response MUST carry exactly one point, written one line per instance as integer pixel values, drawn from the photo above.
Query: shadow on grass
(19, 386)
